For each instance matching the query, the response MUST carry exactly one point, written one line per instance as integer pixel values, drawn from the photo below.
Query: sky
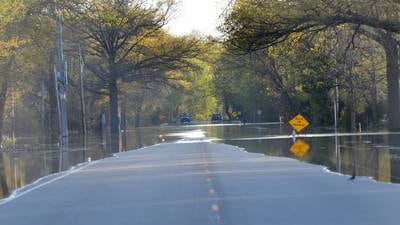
(197, 15)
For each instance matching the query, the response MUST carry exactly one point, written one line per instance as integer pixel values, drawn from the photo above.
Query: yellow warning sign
(299, 123)
(300, 148)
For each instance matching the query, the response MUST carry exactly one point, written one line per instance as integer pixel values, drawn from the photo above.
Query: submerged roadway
(201, 183)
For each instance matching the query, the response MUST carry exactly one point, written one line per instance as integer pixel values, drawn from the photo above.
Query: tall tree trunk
(392, 70)
(3, 99)
(389, 44)
(138, 117)
(226, 108)
(114, 118)
(138, 135)
(138, 114)
(374, 96)
(352, 101)
(286, 106)
(352, 107)
(3, 95)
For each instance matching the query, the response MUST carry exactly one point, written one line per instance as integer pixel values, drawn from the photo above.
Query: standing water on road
(374, 155)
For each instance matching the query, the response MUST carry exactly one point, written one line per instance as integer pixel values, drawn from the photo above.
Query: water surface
(373, 154)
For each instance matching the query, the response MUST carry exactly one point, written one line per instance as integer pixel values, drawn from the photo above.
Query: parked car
(216, 118)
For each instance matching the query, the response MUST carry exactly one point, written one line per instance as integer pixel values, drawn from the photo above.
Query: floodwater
(371, 154)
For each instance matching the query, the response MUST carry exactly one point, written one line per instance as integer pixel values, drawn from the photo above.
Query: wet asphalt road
(200, 184)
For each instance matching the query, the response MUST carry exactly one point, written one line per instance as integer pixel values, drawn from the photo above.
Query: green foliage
(8, 142)
(316, 89)
(195, 94)
(241, 88)
(297, 50)
(312, 43)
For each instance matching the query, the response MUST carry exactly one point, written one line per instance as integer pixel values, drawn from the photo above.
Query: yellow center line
(211, 191)
(215, 207)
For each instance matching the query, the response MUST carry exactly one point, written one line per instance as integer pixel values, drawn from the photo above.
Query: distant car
(185, 118)
(216, 118)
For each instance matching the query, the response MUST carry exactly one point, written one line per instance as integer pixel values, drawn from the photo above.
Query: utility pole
(103, 130)
(62, 82)
(13, 115)
(42, 111)
(123, 125)
(336, 118)
(336, 105)
(82, 97)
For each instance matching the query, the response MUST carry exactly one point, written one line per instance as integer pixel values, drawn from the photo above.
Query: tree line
(123, 45)
(306, 49)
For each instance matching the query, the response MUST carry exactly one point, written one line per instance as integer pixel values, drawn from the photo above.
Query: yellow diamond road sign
(300, 148)
(299, 123)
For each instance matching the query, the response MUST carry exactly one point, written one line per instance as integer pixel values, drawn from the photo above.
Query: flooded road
(373, 154)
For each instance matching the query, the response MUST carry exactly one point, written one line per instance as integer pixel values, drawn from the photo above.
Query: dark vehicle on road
(185, 118)
(216, 118)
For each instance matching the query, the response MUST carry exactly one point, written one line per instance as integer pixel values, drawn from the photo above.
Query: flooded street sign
(299, 123)
(300, 148)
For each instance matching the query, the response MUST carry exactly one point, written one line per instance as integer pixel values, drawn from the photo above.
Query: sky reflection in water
(371, 154)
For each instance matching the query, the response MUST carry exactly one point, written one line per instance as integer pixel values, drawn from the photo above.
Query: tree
(10, 42)
(249, 83)
(125, 43)
(250, 26)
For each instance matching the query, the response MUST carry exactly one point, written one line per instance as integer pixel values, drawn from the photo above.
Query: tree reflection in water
(376, 156)
(394, 143)
(3, 183)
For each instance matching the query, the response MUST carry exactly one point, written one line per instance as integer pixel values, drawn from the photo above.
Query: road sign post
(299, 123)
(299, 148)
